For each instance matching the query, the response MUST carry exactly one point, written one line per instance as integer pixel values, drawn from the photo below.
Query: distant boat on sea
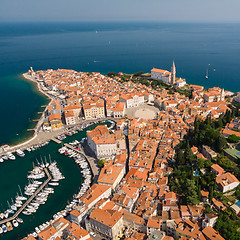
(206, 74)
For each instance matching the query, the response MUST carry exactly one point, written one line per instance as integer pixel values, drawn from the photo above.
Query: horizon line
(124, 21)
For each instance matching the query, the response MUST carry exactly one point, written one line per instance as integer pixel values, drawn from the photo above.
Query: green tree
(101, 162)
(180, 157)
(233, 138)
(210, 194)
(191, 192)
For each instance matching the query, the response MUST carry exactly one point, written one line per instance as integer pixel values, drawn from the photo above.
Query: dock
(29, 200)
(95, 169)
(56, 140)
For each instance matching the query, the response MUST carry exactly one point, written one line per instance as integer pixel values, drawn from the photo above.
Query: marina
(77, 173)
(29, 200)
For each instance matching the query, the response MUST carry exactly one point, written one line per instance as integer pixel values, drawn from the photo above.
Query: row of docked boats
(71, 132)
(20, 152)
(41, 227)
(39, 199)
(9, 225)
(81, 161)
(56, 174)
(42, 197)
(37, 146)
(61, 137)
(33, 185)
(7, 156)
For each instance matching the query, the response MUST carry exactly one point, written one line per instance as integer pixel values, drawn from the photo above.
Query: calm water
(104, 47)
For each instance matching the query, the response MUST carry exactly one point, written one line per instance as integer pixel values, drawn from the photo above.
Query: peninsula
(168, 166)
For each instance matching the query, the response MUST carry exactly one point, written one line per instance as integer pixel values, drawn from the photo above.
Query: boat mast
(20, 190)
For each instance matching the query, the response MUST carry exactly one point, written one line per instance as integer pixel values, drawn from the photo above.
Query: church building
(164, 75)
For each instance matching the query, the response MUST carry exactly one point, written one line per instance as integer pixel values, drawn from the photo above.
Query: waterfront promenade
(49, 177)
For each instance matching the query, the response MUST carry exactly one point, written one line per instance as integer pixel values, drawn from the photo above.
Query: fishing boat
(1, 160)
(1, 230)
(206, 74)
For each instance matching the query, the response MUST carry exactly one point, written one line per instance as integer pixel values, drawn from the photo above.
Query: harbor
(73, 185)
(28, 200)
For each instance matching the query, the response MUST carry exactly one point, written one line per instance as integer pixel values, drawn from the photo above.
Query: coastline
(27, 77)
(37, 135)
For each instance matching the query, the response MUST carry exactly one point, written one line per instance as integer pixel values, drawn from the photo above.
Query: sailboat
(206, 74)
(21, 197)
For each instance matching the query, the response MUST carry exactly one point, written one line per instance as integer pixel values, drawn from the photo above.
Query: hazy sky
(120, 10)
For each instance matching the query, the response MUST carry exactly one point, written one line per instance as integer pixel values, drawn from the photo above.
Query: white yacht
(26, 213)
(11, 156)
(4, 157)
(29, 149)
(20, 153)
(15, 223)
(19, 220)
(53, 183)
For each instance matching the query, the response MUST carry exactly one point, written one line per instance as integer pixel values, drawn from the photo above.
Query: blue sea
(106, 47)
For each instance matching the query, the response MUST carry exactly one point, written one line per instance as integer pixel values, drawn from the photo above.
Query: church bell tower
(173, 74)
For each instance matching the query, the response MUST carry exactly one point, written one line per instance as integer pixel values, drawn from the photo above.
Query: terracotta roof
(212, 234)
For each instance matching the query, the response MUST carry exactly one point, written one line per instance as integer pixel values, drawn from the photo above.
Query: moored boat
(19, 220)
(15, 223)
(26, 212)
(11, 156)
(4, 228)
(20, 153)
(9, 226)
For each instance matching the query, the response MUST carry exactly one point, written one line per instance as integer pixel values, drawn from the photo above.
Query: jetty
(56, 140)
(93, 166)
(95, 169)
(49, 177)
(29, 130)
